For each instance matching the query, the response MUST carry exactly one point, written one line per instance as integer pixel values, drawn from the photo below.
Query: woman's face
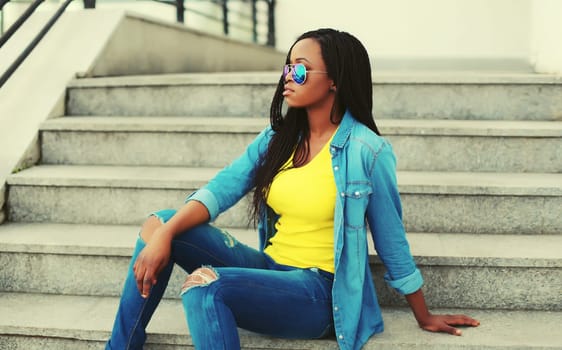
(316, 90)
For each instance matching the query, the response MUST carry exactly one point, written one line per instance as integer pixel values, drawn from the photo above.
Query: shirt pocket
(356, 196)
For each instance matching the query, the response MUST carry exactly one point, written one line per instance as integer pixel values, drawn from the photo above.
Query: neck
(320, 122)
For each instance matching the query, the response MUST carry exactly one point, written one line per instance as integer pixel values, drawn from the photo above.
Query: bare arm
(193, 213)
(436, 323)
(156, 255)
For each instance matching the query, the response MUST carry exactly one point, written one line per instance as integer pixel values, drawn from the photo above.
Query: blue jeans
(251, 292)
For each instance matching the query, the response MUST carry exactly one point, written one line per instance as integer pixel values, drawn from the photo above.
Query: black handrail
(271, 23)
(33, 43)
(89, 4)
(224, 17)
(28, 12)
(254, 21)
(180, 9)
(2, 3)
(227, 24)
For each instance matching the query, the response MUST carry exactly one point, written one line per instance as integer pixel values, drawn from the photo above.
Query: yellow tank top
(304, 198)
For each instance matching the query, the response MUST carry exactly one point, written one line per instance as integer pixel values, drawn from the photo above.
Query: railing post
(89, 4)
(225, 17)
(254, 21)
(2, 3)
(180, 11)
(271, 23)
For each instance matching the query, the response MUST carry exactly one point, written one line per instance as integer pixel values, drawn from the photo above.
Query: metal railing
(181, 9)
(19, 60)
(250, 21)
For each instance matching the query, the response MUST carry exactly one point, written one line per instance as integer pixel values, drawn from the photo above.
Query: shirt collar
(344, 130)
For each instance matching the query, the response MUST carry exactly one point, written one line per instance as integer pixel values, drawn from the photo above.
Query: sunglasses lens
(299, 73)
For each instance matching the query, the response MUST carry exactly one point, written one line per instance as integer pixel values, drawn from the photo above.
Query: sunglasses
(298, 72)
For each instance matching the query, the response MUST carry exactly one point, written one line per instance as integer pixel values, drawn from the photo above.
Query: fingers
(446, 323)
(145, 281)
(461, 320)
(442, 326)
(139, 273)
(146, 285)
(148, 267)
(451, 330)
(144, 277)
(458, 320)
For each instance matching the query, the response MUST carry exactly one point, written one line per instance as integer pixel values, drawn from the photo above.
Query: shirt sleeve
(384, 215)
(234, 181)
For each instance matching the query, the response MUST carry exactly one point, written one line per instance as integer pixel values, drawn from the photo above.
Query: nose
(289, 74)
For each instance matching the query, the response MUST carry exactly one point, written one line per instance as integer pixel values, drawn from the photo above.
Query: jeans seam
(136, 324)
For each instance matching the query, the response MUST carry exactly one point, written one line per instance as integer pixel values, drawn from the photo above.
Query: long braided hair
(347, 63)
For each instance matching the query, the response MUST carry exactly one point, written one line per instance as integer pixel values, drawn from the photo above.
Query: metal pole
(3, 2)
(19, 22)
(180, 11)
(89, 4)
(254, 21)
(271, 23)
(225, 17)
(33, 43)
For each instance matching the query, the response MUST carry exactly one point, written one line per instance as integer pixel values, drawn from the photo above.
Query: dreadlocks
(347, 63)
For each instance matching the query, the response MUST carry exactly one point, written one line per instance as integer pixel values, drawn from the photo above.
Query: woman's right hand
(151, 260)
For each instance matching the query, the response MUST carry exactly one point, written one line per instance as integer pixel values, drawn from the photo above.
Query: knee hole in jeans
(149, 226)
(200, 277)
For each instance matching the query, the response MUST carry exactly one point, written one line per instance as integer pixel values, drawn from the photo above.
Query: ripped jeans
(251, 292)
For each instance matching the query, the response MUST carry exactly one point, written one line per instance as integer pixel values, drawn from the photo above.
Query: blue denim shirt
(364, 169)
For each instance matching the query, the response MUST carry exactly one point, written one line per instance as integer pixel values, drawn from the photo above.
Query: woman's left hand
(446, 323)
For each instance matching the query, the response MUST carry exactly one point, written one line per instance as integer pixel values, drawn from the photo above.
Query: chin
(293, 104)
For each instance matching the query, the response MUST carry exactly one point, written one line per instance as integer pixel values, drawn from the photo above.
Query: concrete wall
(397, 28)
(144, 46)
(428, 34)
(546, 50)
(428, 28)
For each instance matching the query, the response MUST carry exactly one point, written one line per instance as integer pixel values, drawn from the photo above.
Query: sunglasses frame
(291, 68)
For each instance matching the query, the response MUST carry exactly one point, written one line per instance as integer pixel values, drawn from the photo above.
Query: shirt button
(340, 336)
(342, 194)
(336, 168)
(356, 193)
(336, 308)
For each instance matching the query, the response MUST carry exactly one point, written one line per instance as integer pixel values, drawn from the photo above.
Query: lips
(287, 91)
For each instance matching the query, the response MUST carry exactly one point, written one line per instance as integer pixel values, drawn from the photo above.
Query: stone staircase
(479, 171)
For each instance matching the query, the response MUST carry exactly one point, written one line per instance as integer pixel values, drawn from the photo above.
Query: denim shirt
(364, 169)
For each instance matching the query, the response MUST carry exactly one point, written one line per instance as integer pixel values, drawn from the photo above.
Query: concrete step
(432, 201)
(428, 145)
(449, 95)
(460, 270)
(27, 322)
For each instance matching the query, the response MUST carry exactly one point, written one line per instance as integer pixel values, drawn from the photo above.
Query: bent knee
(149, 226)
(202, 276)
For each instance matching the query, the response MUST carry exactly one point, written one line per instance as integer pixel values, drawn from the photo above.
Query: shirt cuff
(408, 284)
(208, 199)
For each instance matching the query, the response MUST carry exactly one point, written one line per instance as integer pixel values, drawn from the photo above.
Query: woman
(321, 172)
